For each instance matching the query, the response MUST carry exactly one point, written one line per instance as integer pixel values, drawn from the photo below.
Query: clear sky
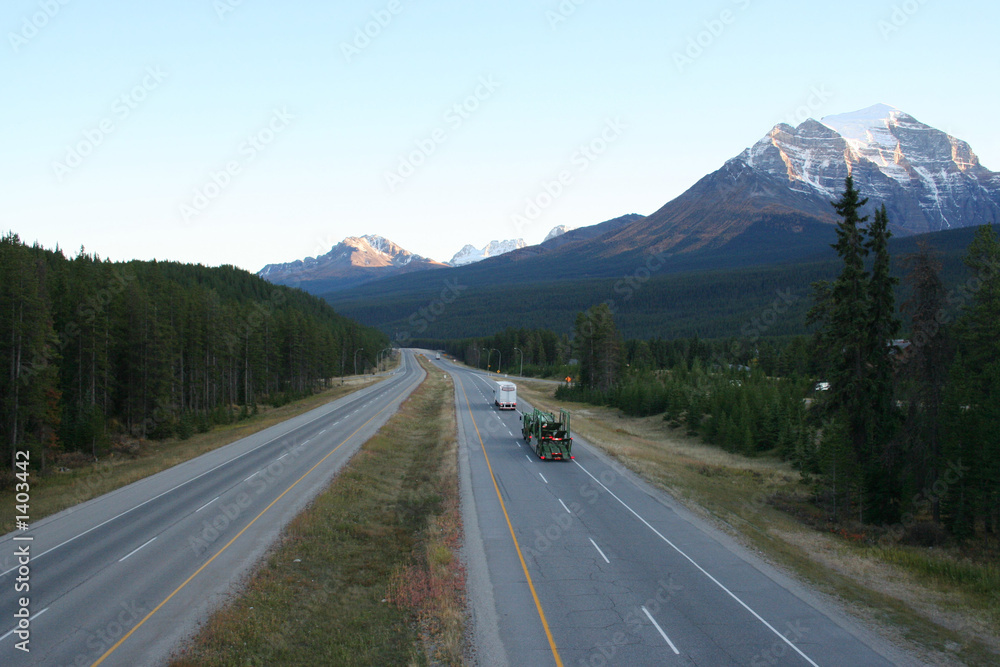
(255, 131)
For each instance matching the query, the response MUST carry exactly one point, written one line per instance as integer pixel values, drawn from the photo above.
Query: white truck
(505, 395)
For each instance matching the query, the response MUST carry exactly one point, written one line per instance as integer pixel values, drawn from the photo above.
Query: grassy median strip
(59, 490)
(941, 604)
(369, 574)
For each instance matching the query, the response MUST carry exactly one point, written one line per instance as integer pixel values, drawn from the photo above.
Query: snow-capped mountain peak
(931, 175)
(557, 232)
(354, 260)
(862, 127)
(470, 254)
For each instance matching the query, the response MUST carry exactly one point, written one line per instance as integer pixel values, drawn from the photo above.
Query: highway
(582, 563)
(124, 578)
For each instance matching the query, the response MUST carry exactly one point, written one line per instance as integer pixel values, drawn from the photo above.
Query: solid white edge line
(701, 569)
(599, 551)
(660, 630)
(543, 478)
(562, 503)
(30, 619)
(196, 477)
(207, 504)
(137, 550)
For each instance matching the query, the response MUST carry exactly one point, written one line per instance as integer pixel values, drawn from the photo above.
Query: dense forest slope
(648, 300)
(93, 350)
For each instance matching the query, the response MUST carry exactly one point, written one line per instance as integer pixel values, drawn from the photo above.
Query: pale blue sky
(221, 131)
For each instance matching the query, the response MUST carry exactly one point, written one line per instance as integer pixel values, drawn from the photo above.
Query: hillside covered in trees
(890, 409)
(93, 350)
(669, 303)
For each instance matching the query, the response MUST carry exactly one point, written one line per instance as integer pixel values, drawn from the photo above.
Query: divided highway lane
(587, 565)
(122, 579)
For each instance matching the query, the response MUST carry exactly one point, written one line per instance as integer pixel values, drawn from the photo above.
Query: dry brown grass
(368, 574)
(763, 503)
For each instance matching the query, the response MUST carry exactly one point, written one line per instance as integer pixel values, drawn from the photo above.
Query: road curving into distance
(582, 563)
(124, 578)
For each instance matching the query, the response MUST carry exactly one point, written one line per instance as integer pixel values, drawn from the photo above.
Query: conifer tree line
(535, 352)
(93, 351)
(891, 409)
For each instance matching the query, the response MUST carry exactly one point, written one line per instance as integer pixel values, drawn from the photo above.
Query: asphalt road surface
(581, 563)
(124, 578)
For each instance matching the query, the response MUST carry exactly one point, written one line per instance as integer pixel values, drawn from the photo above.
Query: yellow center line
(219, 553)
(503, 506)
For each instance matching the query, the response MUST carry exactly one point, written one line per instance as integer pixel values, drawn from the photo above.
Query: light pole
(360, 349)
(488, 355)
(520, 372)
(499, 358)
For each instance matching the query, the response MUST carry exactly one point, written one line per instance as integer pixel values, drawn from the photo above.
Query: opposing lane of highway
(122, 579)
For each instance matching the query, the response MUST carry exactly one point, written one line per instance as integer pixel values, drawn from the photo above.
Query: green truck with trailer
(548, 436)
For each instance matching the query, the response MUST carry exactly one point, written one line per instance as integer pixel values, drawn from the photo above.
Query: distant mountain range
(470, 254)
(769, 205)
(352, 262)
(359, 260)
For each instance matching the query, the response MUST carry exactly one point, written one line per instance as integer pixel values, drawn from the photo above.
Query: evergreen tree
(972, 414)
(857, 322)
(842, 309)
(882, 470)
(923, 375)
(598, 348)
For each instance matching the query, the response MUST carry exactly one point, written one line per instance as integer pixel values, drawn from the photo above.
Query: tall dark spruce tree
(923, 373)
(598, 347)
(857, 322)
(971, 413)
(882, 471)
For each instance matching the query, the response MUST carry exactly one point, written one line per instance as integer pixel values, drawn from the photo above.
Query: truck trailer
(505, 395)
(549, 437)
